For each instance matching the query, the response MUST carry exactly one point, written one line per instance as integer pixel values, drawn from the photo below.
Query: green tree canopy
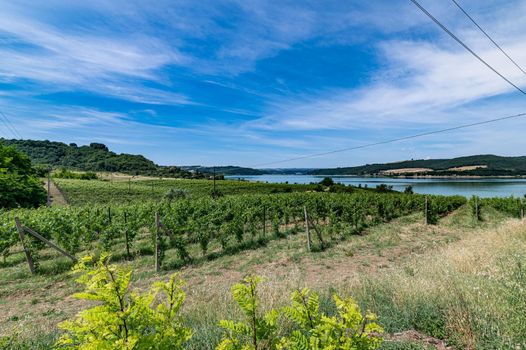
(18, 185)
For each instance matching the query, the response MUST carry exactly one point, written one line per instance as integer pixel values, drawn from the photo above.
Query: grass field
(459, 283)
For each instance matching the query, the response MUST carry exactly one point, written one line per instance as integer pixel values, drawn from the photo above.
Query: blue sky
(251, 81)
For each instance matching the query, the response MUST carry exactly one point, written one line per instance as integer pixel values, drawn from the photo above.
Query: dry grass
(407, 171)
(468, 167)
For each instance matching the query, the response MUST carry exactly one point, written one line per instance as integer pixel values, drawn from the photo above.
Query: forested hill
(479, 165)
(243, 171)
(95, 157)
(224, 170)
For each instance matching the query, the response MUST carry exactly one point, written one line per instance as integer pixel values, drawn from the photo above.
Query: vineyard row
(206, 226)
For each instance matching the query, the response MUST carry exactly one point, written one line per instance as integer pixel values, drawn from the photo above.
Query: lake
(486, 187)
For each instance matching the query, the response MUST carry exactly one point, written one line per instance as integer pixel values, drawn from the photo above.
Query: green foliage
(327, 181)
(512, 206)
(312, 329)
(256, 331)
(384, 188)
(104, 192)
(95, 157)
(315, 330)
(18, 185)
(63, 173)
(123, 318)
(173, 194)
(494, 166)
(235, 222)
(216, 193)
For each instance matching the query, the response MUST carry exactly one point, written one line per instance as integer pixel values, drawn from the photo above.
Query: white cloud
(113, 64)
(423, 83)
(419, 86)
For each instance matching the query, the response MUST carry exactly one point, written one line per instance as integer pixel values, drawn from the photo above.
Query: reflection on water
(487, 187)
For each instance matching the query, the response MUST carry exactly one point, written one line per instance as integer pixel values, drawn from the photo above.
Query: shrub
(174, 193)
(312, 329)
(124, 319)
(315, 330)
(257, 331)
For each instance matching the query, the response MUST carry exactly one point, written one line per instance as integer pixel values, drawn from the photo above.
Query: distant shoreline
(456, 177)
(399, 176)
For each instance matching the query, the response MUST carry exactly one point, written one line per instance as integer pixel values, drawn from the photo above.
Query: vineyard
(158, 226)
(80, 192)
(204, 228)
(512, 206)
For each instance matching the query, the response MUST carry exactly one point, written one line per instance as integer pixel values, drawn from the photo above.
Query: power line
(445, 29)
(7, 126)
(10, 126)
(489, 37)
(393, 140)
(465, 46)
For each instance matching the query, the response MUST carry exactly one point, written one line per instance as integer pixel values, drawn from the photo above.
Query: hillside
(244, 171)
(95, 157)
(224, 170)
(478, 165)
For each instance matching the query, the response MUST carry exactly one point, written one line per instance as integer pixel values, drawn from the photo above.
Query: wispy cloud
(113, 64)
(422, 83)
(233, 81)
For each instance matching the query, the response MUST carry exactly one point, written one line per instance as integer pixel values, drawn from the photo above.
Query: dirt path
(57, 198)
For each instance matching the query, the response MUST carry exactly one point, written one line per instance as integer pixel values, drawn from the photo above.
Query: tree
(327, 181)
(19, 186)
(100, 146)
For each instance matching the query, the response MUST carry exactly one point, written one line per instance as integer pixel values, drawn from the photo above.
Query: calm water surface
(487, 187)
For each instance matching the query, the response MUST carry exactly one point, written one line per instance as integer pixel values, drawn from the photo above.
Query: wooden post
(29, 259)
(307, 228)
(49, 188)
(126, 235)
(49, 243)
(425, 212)
(157, 247)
